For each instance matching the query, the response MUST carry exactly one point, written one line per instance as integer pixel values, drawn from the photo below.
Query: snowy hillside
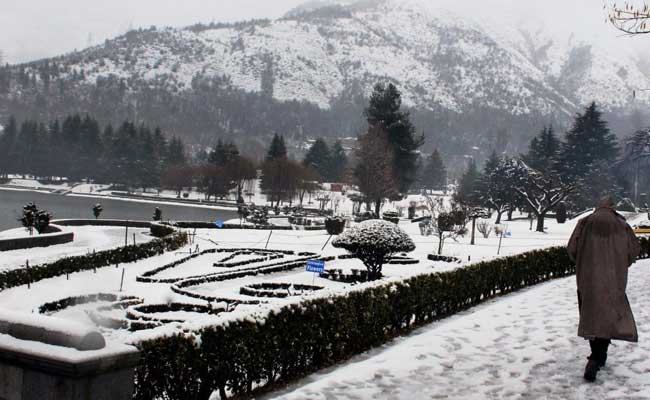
(438, 59)
(472, 79)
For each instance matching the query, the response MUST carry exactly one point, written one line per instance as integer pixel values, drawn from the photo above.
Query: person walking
(603, 246)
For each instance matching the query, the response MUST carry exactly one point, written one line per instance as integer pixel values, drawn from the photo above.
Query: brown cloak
(603, 246)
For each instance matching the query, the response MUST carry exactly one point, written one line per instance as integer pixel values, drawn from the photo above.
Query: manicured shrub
(334, 225)
(374, 242)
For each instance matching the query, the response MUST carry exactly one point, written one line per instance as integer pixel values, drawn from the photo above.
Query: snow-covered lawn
(107, 280)
(521, 346)
(86, 239)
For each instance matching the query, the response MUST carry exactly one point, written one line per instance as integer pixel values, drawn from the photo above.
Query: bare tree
(177, 177)
(447, 222)
(633, 19)
(484, 228)
(541, 191)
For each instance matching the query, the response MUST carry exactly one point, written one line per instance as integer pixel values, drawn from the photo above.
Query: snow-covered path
(522, 346)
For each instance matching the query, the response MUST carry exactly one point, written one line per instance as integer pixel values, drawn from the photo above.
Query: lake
(12, 202)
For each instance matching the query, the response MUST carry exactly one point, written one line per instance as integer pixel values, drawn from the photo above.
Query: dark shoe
(602, 362)
(591, 370)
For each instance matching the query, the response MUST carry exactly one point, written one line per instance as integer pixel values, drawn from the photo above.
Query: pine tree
(277, 149)
(495, 187)
(587, 155)
(434, 174)
(175, 152)
(338, 162)
(7, 148)
(467, 192)
(384, 109)
(543, 150)
(319, 158)
(223, 153)
(634, 162)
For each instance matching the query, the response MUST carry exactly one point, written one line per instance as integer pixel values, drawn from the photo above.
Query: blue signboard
(315, 266)
(219, 223)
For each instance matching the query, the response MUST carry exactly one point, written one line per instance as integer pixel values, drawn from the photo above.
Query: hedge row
(148, 276)
(180, 287)
(62, 304)
(300, 339)
(68, 265)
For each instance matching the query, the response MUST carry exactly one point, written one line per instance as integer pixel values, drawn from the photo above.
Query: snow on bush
(374, 242)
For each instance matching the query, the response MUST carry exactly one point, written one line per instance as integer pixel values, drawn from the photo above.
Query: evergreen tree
(277, 149)
(495, 187)
(384, 109)
(338, 162)
(434, 174)
(7, 148)
(587, 155)
(543, 151)
(467, 192)
(175, 153)
(319, 158)
(635, 160)
(223, 154)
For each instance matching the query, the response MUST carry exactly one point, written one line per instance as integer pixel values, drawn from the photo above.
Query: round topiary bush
(374, 242)
(334, 225)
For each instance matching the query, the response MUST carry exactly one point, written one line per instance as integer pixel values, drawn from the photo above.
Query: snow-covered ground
(86, 239)
(521, 346)
(106, 280)
(504, 350)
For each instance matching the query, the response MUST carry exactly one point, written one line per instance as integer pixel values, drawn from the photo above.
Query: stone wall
(48, 239)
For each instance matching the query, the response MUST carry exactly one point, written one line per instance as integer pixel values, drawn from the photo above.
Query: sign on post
(317, 266)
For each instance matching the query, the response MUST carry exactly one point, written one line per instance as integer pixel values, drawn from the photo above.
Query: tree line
(569, 173)
(78, 148)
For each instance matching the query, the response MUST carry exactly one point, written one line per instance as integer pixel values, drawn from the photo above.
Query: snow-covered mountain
(330, 51)
(437, 58)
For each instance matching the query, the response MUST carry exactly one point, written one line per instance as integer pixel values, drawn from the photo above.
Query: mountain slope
(315, 66)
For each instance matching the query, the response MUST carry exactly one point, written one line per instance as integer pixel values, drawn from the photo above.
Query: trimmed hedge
(303, 338)
(448, 259)
(62, 304)
(278, 290)
(68, 265)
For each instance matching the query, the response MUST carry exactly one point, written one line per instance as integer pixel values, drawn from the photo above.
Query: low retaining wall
(45, 240)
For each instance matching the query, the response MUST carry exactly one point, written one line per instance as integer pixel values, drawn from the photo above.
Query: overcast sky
(34, 29)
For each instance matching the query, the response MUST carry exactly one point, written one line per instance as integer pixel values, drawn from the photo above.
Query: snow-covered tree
(384, 108)
(542, 191)
(632, 18)
(374, 242)
(495, 185)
